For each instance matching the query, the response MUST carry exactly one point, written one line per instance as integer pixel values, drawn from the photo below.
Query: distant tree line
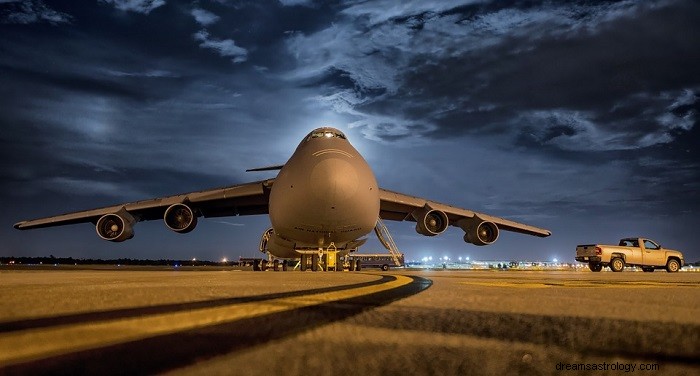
(121, 261)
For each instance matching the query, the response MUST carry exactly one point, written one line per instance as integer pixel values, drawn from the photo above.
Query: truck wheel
(617, 264)
(595, 267)
(648, 269)
(385, 267)
(672, 266)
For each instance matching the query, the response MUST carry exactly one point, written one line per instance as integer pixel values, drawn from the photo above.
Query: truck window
(648, 244)
(635, 243)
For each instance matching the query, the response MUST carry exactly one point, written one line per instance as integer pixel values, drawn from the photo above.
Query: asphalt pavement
(399, 322)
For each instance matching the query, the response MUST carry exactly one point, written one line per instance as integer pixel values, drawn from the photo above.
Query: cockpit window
(325, 133)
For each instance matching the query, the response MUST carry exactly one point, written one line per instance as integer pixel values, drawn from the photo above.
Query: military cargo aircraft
(325, 196)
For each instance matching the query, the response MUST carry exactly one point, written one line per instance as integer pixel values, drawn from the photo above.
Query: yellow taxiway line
(578, 284)
(27, 345)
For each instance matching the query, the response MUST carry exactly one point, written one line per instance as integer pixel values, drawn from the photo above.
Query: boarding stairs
(387, 241)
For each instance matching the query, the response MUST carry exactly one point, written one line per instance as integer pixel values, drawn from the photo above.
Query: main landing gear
(324, 259)
(328, 259)
(276, 265)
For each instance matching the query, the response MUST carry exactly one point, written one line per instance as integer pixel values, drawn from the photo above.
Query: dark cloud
(30, 12)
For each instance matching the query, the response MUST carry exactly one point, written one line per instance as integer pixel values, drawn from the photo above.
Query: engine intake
(116, 227)
(180, 218)
(430, 222)
(479, 232)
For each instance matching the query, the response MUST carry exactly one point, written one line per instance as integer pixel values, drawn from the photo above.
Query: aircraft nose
(334, 180)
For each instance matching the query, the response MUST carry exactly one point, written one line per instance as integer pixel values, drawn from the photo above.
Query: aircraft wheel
(284, 265)
(276, 265)
(385, 267)
(338, 263)
(314, 262)
(302, 265)
(358, 266)
(263, 265)
(617, 264)
(256, 265)
(672, 266)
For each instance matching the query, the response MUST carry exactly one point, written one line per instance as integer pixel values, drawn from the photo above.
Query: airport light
(224, 260)
(554, 260)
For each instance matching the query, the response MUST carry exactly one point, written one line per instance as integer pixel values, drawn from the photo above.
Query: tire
(284, 265)
(302, 265)
(672, 266)
(256, 265)
(276, 265)
(314, 262)
(617, 264)
(648, 269)
(263, 265)
(385, 267)
(595, 267)
(338, 263)
(358, 266)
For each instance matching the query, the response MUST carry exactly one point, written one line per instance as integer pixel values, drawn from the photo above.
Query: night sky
(581, 118)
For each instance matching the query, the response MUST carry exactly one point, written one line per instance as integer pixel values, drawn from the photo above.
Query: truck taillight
(598, 250)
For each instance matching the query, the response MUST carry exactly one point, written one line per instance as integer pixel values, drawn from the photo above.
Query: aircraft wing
(242, 199)
(400, 207)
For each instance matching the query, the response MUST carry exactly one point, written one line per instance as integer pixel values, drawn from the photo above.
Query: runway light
(554, 260)
(224, 260)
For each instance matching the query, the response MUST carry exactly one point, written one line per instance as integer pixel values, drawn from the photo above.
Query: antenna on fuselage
(268, 168)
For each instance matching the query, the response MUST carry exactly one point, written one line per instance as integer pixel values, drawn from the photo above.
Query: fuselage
(326, 193)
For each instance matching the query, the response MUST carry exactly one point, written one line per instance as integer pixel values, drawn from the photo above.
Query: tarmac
(435, 322)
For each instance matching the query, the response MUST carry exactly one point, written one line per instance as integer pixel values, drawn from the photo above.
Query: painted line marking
(585, 284)
(17, 347)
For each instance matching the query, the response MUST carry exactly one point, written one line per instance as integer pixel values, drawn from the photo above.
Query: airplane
(325, 197)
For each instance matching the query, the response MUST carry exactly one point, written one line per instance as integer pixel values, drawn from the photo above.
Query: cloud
(585, 130)
(30, 12)
(468, 67)
(204, 17)
(155, 73)
(225, 47)
(138, 6)
(291, 3)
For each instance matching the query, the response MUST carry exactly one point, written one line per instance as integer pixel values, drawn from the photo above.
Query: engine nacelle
(479, 232)
(116, 227)
(430, 222)
(180, 218)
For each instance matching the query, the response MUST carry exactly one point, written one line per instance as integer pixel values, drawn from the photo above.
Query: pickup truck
(642, 252)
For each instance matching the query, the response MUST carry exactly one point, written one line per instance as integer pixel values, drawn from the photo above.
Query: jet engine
(479, 232)
(180, 218)
(430, 222)
(116, 227)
